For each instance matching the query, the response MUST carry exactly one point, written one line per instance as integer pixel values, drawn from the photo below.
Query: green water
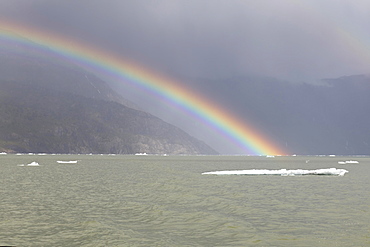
(165, 201)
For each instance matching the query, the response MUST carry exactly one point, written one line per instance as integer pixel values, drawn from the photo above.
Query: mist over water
(165, 201)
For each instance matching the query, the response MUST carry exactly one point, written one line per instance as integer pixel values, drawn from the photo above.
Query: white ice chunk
(33, 164)
(348, 162)
(281, 172)
(67, 161)
(352, 162)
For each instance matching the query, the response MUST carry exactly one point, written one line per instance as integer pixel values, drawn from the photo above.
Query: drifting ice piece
(67, 161)
(281, 172)
(34, 163)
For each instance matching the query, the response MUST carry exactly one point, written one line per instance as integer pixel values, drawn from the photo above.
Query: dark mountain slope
(34, 69)
(50, 106)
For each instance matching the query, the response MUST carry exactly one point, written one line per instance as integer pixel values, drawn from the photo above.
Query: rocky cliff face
(50, 106)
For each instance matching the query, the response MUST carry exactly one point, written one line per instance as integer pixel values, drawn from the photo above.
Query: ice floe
(34, 163)
(141, 154)
(281, 172)
(348, 162)
(67, 161)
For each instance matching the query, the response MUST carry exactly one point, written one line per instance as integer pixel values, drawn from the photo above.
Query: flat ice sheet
(281, 172)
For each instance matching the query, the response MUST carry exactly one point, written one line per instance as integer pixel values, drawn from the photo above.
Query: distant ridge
(50, 106)
(329, 117)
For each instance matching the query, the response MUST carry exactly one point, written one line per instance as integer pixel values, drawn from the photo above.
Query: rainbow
(254, 142)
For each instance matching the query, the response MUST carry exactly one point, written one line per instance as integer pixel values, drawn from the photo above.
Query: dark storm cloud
(293, 40)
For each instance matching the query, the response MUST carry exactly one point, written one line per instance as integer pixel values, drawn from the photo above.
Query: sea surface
(129, 200)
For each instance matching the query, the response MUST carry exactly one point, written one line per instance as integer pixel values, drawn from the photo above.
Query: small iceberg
(352, 162)
(141, 154)
(348, 162)
(34, 163)
(281, 172)
(67, 162)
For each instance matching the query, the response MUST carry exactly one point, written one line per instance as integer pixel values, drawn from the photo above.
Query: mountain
(48, 105)
(308, 119)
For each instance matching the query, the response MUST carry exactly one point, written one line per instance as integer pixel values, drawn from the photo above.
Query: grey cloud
(288, 39)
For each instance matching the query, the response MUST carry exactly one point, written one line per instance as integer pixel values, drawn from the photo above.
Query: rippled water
(165, 201)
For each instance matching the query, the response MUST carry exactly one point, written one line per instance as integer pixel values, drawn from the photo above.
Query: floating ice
(348, 162)
(34, 163)
(281, 172)
(141, 154)
(67, 162)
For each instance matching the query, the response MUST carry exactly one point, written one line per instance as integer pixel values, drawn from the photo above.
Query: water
(165, 201)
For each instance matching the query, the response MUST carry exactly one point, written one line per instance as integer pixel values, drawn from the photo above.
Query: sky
(292, 40)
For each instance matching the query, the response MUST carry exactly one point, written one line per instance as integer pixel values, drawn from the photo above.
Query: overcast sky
(294, 40)
(289, 39)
